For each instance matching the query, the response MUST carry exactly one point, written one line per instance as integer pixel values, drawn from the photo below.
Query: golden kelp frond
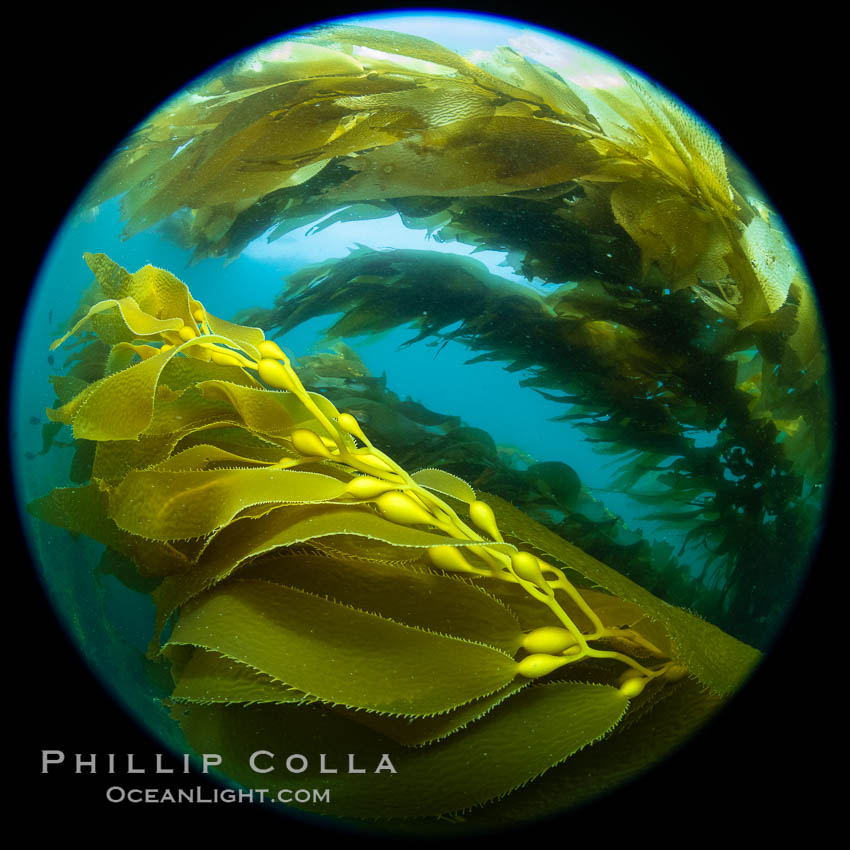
(695, 144)
(683, 241)
(561, 96)
(351, 117)
(290, 551)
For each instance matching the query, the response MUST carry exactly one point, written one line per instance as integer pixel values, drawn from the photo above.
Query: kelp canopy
(313, 596)
(680, 332)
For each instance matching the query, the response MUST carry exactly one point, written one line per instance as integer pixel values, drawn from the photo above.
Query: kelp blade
(339, 654)
(505, 749)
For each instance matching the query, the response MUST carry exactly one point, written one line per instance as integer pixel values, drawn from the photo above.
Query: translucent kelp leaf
(128, 322)
(717, 659)
(247, 338)
(509, 65)
(471, 157)
(697, 146)
(184, 372)
(264, 411)
(116, 282)
(124, 353)
(772, 261)
(368, 550)
(339, 654)
(119, 406)
(113, 459)
(686, 242)
(445, 482)
(176, 416)
(155, 290)
(395, 44)
(237, 440)
(291, 60)
(162, 505)
(522, 738)
(435, 105)
(354, 212)
(206, 456)
(83, 510)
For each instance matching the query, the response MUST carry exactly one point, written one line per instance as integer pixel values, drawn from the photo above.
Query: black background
(76, 84)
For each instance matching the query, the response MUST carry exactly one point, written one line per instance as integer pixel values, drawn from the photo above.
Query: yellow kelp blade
(340, 654)
(445, 482)
(417, 732)
(248, 538)
(631, 749)
(186, 414)
(119, 406)
(113, 459)
(155, 290)
(522, 738)
(206, 456)
(264, 411)
(206, 677)
(246, 338)
(129, 323)
(439, 602)
(83, 510)
(181, 373)
(162, 505)
(209, 677)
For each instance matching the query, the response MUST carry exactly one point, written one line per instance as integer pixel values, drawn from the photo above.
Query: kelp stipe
(325, 600)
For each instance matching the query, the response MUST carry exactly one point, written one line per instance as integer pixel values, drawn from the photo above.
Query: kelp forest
(297, 516)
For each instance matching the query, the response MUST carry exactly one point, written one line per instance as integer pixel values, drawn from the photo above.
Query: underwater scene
(447, 405)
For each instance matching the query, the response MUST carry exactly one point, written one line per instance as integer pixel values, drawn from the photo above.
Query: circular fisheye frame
(423, 421)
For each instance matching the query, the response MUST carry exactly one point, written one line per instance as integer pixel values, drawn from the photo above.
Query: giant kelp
(680, 308)
(310, 590)
(549, 491)
(698, 408)
(622, 182)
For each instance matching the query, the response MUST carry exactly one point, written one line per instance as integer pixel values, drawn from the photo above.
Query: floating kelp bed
(335, 566)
